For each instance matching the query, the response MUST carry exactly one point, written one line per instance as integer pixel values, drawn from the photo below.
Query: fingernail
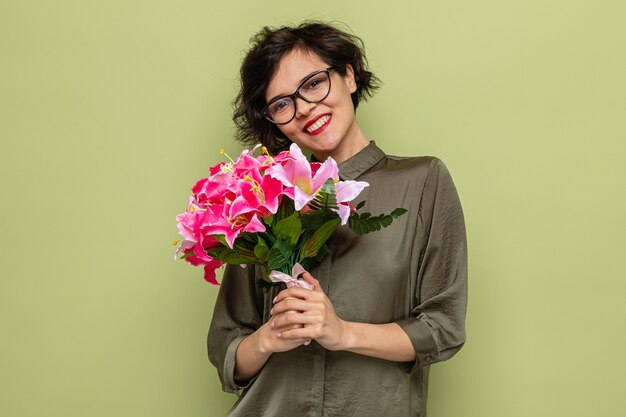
(273, 325)
(271, 312)
(274, 300)
(279, 334)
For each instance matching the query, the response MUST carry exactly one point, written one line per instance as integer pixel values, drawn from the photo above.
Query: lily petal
(344, 212)
(254, 225)
(327, 170)
(348, 190)
(209, 271)
(300, 198)
(292, 170)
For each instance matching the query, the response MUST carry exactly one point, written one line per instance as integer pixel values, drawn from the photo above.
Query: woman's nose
(303, 108)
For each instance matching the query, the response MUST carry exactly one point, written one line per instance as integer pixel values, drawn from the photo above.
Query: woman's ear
(349, 78)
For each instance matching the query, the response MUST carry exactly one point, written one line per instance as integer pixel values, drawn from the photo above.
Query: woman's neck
(350, 145)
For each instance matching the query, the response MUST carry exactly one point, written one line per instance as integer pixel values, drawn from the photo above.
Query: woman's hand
(269, 340)
(299, 314)
(254, 350)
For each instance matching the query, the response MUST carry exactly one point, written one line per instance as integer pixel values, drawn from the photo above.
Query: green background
(110, 110)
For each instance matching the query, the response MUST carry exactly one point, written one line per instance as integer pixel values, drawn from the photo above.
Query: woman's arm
(250, 357)
(236, 316)
(254, 351)
(385, 341)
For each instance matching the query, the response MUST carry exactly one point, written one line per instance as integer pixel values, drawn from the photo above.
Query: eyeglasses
(313, 89)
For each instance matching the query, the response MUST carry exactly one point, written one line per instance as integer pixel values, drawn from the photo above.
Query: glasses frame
(297, 94)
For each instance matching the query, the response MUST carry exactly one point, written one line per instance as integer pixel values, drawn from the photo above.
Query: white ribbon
(292, 281)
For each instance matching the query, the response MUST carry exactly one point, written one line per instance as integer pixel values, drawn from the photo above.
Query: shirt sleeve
(237, 314)
(436, 325)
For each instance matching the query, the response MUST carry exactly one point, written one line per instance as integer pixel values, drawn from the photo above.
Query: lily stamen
(256, 187)
(223, 152)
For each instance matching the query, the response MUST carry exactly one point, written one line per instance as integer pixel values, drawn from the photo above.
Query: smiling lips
(318, 124)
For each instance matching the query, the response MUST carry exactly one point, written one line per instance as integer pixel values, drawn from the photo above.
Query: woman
(385, 305)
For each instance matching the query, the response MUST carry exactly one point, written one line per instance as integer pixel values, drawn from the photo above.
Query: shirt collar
(353, 167)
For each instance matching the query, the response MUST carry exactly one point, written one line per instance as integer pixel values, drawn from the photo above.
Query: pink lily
(261, 196)
(190, 225)
(200, 258)
(295, 174)
(232, 225)
(302, 181)
(346, 191)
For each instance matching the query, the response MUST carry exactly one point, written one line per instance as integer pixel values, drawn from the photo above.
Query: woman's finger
(303, 333)
(295, 292)
(293, 304)
(312, 281)
(288, 320)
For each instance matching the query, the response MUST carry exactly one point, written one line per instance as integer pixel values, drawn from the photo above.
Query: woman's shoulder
(416, 164)
(415, 160)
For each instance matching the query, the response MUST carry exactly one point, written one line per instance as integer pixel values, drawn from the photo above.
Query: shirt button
(427, 359)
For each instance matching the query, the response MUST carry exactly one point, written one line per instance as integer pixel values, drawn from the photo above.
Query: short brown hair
(334, 46)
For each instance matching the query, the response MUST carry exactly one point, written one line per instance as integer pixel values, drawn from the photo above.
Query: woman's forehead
(291, 70)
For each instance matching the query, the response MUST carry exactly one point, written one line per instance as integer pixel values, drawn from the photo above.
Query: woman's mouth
(316, 126)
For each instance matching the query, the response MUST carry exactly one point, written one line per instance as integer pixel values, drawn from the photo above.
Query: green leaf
(285, 209)
(280, 254)
(398, 212)
(365, 226)
(268, 237)
(386, 221)
(242, 252)
(250, 238)
(261, 249)
(244, 249)
(313, 220)
(186, 255)
(218, 253)
(314, 242)
(365, 223)
(221, 239)
(325, 198)
(310, 263)
(321, 254)
(228, 256)
(290, 228)
(360, 205)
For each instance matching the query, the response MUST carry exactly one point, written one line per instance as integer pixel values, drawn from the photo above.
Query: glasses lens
(316, 88)
(281, 110)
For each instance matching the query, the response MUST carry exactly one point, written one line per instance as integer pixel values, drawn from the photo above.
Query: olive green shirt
(413, 273)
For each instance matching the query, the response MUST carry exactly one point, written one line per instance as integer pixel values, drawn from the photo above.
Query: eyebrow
(299, 84)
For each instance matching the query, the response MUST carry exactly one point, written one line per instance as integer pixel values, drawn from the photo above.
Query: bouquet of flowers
(275, 211)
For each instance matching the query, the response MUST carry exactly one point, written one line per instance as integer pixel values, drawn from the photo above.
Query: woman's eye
(315, 83)
(280, 106)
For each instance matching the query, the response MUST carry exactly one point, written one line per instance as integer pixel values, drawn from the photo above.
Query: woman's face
(327, 128)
